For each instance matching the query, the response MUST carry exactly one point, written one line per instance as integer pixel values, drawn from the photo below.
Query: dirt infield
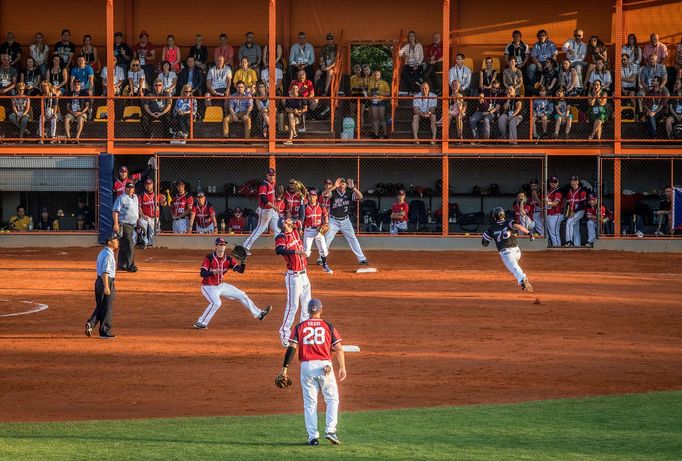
(436, 329)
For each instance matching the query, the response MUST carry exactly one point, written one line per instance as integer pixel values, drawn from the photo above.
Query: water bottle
(30, 225)
(198, 185)
(222, 225)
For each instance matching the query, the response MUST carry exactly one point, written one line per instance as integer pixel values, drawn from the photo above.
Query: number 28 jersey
(315, 339)
(502, 233)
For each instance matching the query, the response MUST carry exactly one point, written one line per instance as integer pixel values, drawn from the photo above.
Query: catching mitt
(239, 252)
(323, 228)
(300, 188)
(283, 381)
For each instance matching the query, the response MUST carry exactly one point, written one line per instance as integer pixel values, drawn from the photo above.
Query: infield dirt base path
(446, 328)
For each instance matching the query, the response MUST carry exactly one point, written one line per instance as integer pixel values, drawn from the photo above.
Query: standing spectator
(168, 78)
(511, 114)
(199, 54)
(145, 52)
(512, 76)
(461, 73)
(252, 51)
(119, 79)
(488, 110)
(301, 57)
(57, 75)
(150, 205)
(122, 51)
(279, 77)
(50, 110)
(598, 112)
(203, 214)
(593, 217)
(219, 80)
(576, 51)
(65, 49)
(646, 78)
(21, 221)
(247, 75)
(125, 214)
(193, 76)
(457, 109)
(31, 77)
(182, 208)
(77, 111)
(655, 106)
(433, 65)
(13, 50)
(105, 290)
(137, 83)
(157, 108)
(295, 108)
(554, 203)
(632, 50)
(562, 114)
(628, 78)
(413, 54)
(278, 57)
(40, 52)
(239, 107)
(8, 77)
(89, 52)
(306, 90)
(46, 222)
(358, 82)
(517, 50)
(523, 211)
(172, 54)
(542, 110)
(576, 199)
(86, 76)
(328, 57)
(550, 77)
(664, 213)
(674, 110)
(596, 51)
(185, 111)
(487, 74)
(424, 107)
(543, 50)
(602, 74)
(378, 89)
(399, 214)
(21, 108)
(225, 50)
(569, 79)
(237, 222)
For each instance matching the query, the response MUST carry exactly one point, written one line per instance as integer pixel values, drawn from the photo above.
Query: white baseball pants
(510, 258)
(311, 235)
(298, 292)
(573, 228)
(591, 231)
(266, 217)
(314, 380)
(539, 223)
(554, 229)
(213, 293)
(205, 230)
(344, 225)
(149, 226)
(180, 226)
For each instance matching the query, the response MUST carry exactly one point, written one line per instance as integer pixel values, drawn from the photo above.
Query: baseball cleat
(88, 329)
(319, 261)
(331, 436)
(248, 252)
(363, 262)
(525, 285)
(312, 442)
(264, 312)
(107, 336)
(200, 326)
(327, 269)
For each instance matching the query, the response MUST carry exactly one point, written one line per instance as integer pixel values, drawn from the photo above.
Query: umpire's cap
(314, 305)
(110, 237)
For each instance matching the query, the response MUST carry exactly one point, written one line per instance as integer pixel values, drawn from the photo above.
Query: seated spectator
(294, 108)
(8, 77)
(185, 111)
(306, 90)
(461, 73)
(677, 64)
(523, 211)
(665, 222)
(487, 74)
(225, 50)
(517, 50)
(251, 51)
(550, 76)
(158, 108)
(83, 73)
(12, 49)
(57, 75)
(358, 82)
(278, 57)
(40, 52)
(145, 52)
(424, 107)
(632, 50)
(122, 51)
(21, 108)
(569, 79)
(263, 108)
(247, 75)
(646, 77)
(562, 114)
(576, 51)
(50, 110)
(542, 110)
(239, 109)
(511, 114)
(20, 222)
(301, 57)
(433, 65)
(597, 113)
(203, 214)
(457, 109)
(399, 214)
(655, 106)
(328, 57)
(168, 78)
(88, 217)
(593, 216)
(65, 49)
(543, 50)
(193, 76)
(46, 223)
(219, 80)
(655, 47)
(237, 222)
(279, 77)
(77, 111)
(172, 54)
(31, 78)
(89, 52)
(596, 51)
(378, 90)
(602, 74)
(119, 79)
(137, 83)
(628, 77)
(199, 55)
(512, 76)
(488, 110)
(674, 110)
(413, 54)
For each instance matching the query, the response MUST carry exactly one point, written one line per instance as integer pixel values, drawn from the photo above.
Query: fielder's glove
(323, 228)
(239, 252)
(485, 243)
(283, 381)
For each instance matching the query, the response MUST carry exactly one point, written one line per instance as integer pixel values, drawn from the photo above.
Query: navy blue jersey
(502, 233)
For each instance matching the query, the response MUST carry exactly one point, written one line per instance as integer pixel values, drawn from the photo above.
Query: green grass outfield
(640, 426)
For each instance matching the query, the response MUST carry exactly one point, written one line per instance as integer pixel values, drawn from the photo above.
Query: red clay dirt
(449, 328)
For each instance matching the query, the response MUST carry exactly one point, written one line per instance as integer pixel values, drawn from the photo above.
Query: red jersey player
(294, 202)
(316, 339)
(267, 214)
(314, 215)
(399, 212)
(125, 178)
(237, 222)
(325, 201)
(203, 214)
(182, 208)
(576, 199)
(523, 211)
(149, 211)
(554, 203)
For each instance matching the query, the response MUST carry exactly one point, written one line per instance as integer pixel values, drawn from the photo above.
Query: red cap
(144, 32)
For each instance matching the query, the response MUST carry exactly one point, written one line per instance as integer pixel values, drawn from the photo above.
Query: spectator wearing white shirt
(602, 74)
(424, 107)
(119, 78)
(632, 50)
(136, 80)
(279, 76)
(461, 73)
(301, 57)
(413, 53)
(576, 50)
(628, 77)
(168, 77)
(219, 80)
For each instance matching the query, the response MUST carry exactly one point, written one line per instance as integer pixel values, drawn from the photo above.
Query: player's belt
(339, 219)
(296, 273)
(312, 227)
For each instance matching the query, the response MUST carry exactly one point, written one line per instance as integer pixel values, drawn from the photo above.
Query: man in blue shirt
(84, 74)
(239, 108)
(105, 291)
(543, 50)
(301, 57)
(126, 212)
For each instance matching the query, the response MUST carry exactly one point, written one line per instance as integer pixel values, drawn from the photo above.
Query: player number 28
(313, 335)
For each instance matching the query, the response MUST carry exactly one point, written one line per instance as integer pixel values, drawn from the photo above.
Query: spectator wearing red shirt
(225, 50)
(237, 222)
(306, 89)
(399, 212)
(144, 51)
(433, 65)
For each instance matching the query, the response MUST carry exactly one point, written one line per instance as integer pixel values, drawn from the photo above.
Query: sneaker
(285, 343)
(248, 252)
(107, 336)
(313, 442)
(568, 244)
(200, 326)
(132, 269)
(288, 142)
(525, 285)
(658, 233)
(363, 262)
(88, 329)
(331, 436)
(264, 312)
(319, 261)
(639, 234)
(589, 245)
(327, 269)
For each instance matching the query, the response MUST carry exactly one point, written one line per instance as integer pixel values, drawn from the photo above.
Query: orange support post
(445, 40)
(616, 196)
(111, 116)
(445, 195)
(272, 83)
(620, 39)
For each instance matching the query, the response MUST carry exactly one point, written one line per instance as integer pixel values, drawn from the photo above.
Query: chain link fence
(656, 119)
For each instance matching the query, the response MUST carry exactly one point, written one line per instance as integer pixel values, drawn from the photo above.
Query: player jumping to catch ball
(501, 231)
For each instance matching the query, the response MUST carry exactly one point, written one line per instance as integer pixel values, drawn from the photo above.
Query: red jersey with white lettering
(149, 203)
(315, 215)
(591, 212)
(324, 201)
(280, 206)
(397, 208)
(211, 262)
(203, 215)
(268, 190)
(181, 203)
(536, 204)
(293, 202)
(237, 224)
(527, 210)
(120, 184)
(316, 339)
(292, 241)
(554, 196)
(576, 199)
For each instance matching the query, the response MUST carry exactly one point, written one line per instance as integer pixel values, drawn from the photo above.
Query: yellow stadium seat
(2, 114)
(627, 119)
(129, 111)
(574, 113)
(213, 114)
(496, 64)
(101, 114)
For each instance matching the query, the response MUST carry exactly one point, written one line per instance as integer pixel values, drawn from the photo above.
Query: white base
(351, 348)
(365, 270)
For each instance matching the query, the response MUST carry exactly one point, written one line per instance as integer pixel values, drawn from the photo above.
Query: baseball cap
(237, 210)
(280, 222)
(401, 192)
(110, 237)
(330, 36)
(220, 241)
(312, 192)
(201, 194)
(553, 179)
(533, 181)
(575, 178)
(314, 305)
(118, 34)
(80, 217)
(271, 171)
(592, 196)
(129, 185)
(149, 181)
(123, 168)
(179, 181)
(144, 32)
(343, 179)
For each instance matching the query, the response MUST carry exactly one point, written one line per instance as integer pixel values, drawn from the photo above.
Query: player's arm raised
(358, 194)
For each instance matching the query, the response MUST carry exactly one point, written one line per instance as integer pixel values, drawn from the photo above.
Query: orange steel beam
(130, 24)
(51, 150)
(616, 196)
(445, 194)
(272, 47)
(618, 18)
(111, 116)
(445, 41)
(285, 28)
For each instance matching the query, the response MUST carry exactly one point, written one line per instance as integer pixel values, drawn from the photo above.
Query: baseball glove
(300, 188)
(323, 228)
(283, 381)
(239, 252)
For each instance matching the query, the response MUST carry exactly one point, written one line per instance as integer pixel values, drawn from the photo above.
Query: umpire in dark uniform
(126, 212)
(105, 290)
